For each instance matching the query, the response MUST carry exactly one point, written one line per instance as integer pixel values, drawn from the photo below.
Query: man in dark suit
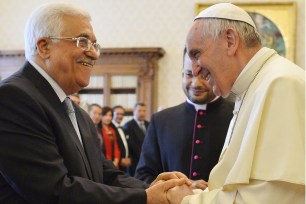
(136, 131)
(95, 113)
(188, 137)
(49, 151)
(125, 160)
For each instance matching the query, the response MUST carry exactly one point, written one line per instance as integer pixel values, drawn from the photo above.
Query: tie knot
(68, 105)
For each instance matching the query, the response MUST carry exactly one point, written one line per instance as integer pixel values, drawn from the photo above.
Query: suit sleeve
(150, 164)
(31, 165)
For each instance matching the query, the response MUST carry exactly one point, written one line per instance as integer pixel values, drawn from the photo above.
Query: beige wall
(136, 23)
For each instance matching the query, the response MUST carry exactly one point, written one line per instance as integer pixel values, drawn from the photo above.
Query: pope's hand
(176, 194)
(199, 184)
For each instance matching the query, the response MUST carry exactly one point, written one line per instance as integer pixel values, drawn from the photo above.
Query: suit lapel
(52, 99)
(90, 146)
(139, 132)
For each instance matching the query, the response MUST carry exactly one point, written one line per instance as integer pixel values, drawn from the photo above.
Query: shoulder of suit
(170, 109)
(168, 112)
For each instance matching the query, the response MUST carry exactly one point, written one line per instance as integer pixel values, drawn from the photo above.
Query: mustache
(198, 88)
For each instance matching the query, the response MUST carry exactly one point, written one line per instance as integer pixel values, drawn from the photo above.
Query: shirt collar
(138, 121)
(250, 71)
(200, 106)
(58, 90)
(115, 123)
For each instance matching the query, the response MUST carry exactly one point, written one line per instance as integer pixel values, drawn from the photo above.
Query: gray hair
(214, 27)
(47, 21)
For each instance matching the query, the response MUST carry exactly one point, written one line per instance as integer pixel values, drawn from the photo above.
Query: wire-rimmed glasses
(82, 42)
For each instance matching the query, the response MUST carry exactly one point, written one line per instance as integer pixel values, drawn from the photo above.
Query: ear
(232, 39)
(43, 47)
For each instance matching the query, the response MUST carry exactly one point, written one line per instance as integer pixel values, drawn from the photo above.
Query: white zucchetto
(226, 11)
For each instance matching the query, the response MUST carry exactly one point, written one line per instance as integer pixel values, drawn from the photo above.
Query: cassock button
(201, 113)
(196, 157)
(199, 126)
(197, 141)
(194, 173)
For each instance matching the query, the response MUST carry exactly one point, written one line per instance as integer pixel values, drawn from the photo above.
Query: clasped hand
(171, 187)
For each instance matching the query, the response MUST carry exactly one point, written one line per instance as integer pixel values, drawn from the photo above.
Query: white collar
(116, 124)
(58, 90)
(249, 72)
(200, 106)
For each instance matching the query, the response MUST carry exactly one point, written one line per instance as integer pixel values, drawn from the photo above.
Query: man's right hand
(157, 193)
(125, 162)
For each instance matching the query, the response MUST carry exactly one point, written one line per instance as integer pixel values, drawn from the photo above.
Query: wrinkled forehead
(195, 35)
(78, 26)
(195, 30)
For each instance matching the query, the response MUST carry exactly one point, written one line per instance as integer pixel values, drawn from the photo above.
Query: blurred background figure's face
(196, 88)
(140, 113)
(95, 114)
(107, 118)
(118, 115)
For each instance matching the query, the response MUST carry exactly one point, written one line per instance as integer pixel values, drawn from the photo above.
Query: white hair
(215, 26)
(47, 21)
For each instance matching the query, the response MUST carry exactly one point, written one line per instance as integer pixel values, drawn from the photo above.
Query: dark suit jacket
(135, 139)
(173, 137)
(41, 158)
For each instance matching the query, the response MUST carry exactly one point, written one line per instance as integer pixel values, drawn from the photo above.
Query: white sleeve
(256, 192)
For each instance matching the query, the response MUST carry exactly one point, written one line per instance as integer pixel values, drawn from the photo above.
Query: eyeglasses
(82, 42)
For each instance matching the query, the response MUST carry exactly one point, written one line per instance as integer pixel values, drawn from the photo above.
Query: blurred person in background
(112, 151)
(135, 131)
(125, 160)
(95, 113)
(188, 137)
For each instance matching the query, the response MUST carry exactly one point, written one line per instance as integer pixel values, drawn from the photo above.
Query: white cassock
(263, 158)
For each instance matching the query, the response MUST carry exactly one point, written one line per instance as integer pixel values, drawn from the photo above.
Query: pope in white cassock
(263, 158)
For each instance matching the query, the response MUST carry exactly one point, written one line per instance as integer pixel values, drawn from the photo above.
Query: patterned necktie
(142, 127)
(70, 110)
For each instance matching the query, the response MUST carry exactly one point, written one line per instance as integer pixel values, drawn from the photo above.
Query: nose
(93, 53)
(197, 80)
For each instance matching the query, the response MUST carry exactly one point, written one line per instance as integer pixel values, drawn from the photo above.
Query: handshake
(171, 188)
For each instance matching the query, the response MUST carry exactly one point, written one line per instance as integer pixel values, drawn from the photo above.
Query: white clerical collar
(58, 90)
(200, 106)
(249, 72)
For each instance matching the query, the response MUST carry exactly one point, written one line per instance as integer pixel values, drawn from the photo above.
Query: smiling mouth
(202, 72)
(205, 74)
(86, 62)
(197, 91)
(207, 77)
